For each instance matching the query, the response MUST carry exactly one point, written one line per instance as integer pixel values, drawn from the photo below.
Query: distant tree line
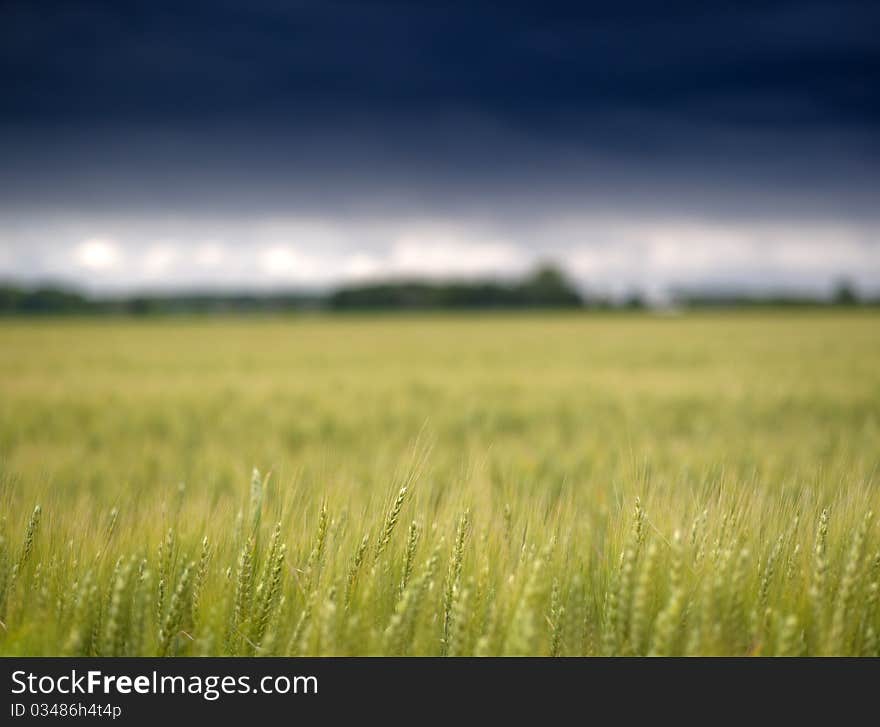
(61, 301)
(545, 288)
(843, 295)
(42, 300)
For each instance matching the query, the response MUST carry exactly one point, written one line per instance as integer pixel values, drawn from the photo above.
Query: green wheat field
(529, 484)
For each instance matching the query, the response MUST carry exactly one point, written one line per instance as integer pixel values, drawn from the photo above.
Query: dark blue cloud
(773, 65)
(257, 101)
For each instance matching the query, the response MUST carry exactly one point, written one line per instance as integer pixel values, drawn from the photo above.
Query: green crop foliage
(510, 484)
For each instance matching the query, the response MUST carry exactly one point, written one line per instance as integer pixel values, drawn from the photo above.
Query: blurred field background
(549, 460)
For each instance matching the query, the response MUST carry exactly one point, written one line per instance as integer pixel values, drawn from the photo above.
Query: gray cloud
(270, 145)
(606, 253)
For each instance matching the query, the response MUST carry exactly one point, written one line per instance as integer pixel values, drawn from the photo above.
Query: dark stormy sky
(269, 144)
